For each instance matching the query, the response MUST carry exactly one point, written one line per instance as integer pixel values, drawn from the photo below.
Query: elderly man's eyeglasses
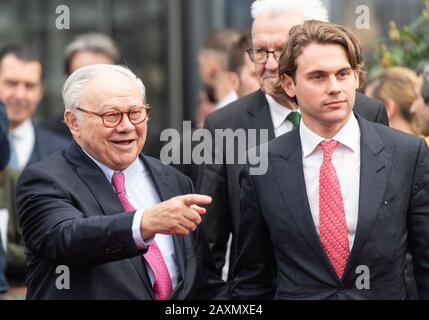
(113, 119)
(259, 55)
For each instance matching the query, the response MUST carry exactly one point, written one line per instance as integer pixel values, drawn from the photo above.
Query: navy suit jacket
(70, 215)
(221, 180)
(45, 144)
(4, 142)
(280, 253)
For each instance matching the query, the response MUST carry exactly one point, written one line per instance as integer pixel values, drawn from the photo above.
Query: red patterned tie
(333, 228)
(162, 284)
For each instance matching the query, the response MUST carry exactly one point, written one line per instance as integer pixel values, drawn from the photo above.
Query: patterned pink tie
(162, 284)
(333, 228)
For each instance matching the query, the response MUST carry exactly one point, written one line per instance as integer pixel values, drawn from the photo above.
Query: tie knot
(294, 117)
(328, 147)
(118, 182)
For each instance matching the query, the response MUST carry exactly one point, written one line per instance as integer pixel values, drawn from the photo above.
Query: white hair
(76, 83)
(309, 9)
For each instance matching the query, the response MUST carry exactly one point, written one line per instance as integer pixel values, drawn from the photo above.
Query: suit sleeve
(419, 222)
(217, 221)
(4, 142)
(210, 286)
(53, 226)
(255, 269)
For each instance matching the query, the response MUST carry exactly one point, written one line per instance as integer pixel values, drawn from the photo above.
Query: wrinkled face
(115, 147)
(324, 86)
(85, 58)
(21, 88)
(420, 109)
(271, 33)
(247, 76)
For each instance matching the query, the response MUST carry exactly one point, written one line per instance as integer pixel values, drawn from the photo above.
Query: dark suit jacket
(45, 144)
(69, 215)
(4, 142)
(280, 253)
(221, 181)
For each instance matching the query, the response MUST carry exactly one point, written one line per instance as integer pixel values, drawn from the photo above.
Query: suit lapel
(92, 176)
(163, 184)
(259, 116)
(286, 162)
(374, 173)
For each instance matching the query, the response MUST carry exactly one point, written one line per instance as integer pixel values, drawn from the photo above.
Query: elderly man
(420, 106)
(123, 225)
(262, 110)
(343, 199)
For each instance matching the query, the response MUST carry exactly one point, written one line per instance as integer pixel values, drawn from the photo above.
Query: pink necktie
(333, 228)
(162, 284)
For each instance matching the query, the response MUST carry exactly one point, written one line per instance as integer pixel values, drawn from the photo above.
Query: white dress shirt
(230, 97)
(279, 114)
(141, 193)
(346, 161)
(25, 137)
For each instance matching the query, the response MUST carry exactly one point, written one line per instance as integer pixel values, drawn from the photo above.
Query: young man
(342, 197)
(264, 109)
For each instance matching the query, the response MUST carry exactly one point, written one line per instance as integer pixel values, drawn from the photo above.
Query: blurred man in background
(85, 49)
(219, 85)
(96, 48)
(240, 64)
(21, 90)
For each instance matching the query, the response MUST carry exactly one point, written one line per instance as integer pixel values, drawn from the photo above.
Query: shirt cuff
(140, 243)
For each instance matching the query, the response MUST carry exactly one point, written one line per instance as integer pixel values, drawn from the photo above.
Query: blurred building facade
(159, 39)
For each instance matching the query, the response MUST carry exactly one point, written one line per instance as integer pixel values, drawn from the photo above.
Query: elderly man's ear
(72, 122)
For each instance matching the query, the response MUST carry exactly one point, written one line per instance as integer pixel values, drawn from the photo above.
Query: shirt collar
(278, 112)
(23, 130)
(348, 136)
(130, 173)
(230, 97)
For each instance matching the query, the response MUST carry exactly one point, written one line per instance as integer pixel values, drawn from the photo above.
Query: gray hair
(75, 85)
(309, 9)
(423, 71)
(92, 42)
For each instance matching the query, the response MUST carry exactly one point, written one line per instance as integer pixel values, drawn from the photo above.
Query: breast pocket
(393, 207)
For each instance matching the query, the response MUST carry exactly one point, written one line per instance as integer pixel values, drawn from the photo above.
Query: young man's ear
(288, 85)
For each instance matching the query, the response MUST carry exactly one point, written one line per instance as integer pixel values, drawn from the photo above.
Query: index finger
(194, 198)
